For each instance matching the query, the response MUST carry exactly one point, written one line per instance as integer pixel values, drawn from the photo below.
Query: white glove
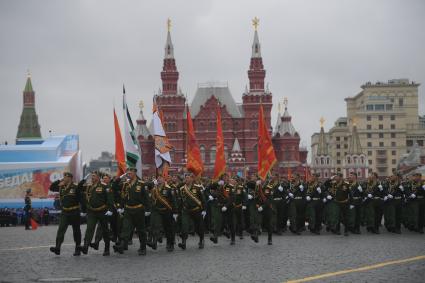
(108, 213)
(308, 198)
(351, 206)
(385, 198)
(147, 213)
(59, 211)
(412, 196)
(390, 196)
(250, 196)
(301, 188)
(175, 217)
(210, 197)
(369, 195)
(155, 182)
(203, 213)
(291, 195)
(380, 187)
(423, 187)
(260, 209)
(221, 182)
(258, 182)
(319, 190)
(360, 189)
(243, 207)
(120, 210)
(329, 197)
(324, 200)
(280, 189)
(82, 214)
(401, 188)
(224, 209)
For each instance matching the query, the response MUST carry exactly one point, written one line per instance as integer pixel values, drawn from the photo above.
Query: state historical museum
(239, 121)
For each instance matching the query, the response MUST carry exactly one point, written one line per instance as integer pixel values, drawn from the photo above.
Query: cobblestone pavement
(25, 257)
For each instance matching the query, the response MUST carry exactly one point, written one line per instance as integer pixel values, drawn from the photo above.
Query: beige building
(388, 125)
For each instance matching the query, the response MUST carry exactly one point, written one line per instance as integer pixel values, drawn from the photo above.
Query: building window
(393, 152)
(348, 160)
(202, 150)
(345, 138)
(337, 138)
(381, 127)
(255, 153)
(381, 144)
(368, 118)
(393, 161)
(370, 161)
(338, 162)
(369, 135)
(338, 146)
(369, 144)
(369, 127)
(379, 107)
(345, 146)
(212, 154)
(392, 117)
(226, 152)
(338, 154)
(381, 135)
(381, 118)
(393, 135)
(420, 142)
(401, 102)
(409, 142)
(369, 107)
(369, 152)
(392, 126)
(389, 107)
(393, 144)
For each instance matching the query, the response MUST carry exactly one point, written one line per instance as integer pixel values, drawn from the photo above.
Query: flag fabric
(289, 173)
(132, 152)
(194, 160)
(119, 147)
(162, 145)
(266, 154)
(34, 224)
(220, 162)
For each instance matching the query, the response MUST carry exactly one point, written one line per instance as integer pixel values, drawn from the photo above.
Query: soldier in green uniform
(238, 208)
(253, 203)
(393, 203)
(356, 200)
(70, 197)
(314, 204)
(266, 209)
(415, 206)
(374, 197)
(218, 199)
(193, 210)
(27, 209)
(164, 213)
(137, 205)
(296, 198)
(99, 205)
(277, 204)
(339, 203)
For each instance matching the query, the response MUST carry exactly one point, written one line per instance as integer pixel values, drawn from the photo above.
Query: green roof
(28, 85)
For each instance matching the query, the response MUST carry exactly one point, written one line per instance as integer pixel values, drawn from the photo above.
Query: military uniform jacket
(192, 198)
(163, 199)
(279, 195)
(312, 190)
(396, 189)
(27, 206)
(355, 195)
(415, 188)
(238, 197)
(298, 190)
(98, 198)
(135, 195)
(374, 189)
(339, 191)
(69, 196)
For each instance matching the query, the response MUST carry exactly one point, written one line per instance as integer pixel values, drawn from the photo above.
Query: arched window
(328, 161)
(317, 161)
(212, 154)
(226, 152)
(355, 160)
(255, 153)
(322, 161)
(362, 159)
(202, 150)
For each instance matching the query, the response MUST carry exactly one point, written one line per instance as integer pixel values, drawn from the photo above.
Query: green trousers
(190, 218)
(134, 218)
(92, 219)
(65, 220)
(314, 214)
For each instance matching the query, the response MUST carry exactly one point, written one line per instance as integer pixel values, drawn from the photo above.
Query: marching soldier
(135, 206)
(416, 204)
(356, 197)
(193, 209)
(219, 204)
(99, 206)
(239, 206)
(314, 205)
(296, 196)
(164, 213)
(339, 204)
(28, 209)
(278, 205)
(393, 204)
(266, 209)
(70, 197)
(373, 204)
(253, 204)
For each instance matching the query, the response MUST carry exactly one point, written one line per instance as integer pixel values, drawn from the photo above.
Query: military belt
(193, 209)
(277, 199)
(237, 205)
(397, 197)
(134, 206)
(298, 198)
(420, 197)
(356, 197)
(376, 197)
(315, 198)
(71, 208)
(100, 208)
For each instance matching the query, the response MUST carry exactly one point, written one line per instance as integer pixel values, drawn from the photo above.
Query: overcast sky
(316, 53)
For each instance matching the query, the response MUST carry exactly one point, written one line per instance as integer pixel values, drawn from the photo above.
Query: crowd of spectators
(16, 216)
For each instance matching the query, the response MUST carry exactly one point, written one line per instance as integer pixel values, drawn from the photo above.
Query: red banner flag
(119, 148)
(220, 162)
(194, 161)
(266, 155)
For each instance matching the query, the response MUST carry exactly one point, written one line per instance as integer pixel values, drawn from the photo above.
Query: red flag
(194, 161)
(119, 147)
(289, 173)
(220, 162)
(266, 155)
(34, 224)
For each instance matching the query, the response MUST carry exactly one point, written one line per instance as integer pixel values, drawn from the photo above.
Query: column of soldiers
(177, 207)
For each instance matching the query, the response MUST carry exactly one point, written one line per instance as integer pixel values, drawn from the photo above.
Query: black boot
(56, 250)
(214, 239)
(85, 248)
(269, 240)
(77, 251)
(182, 245)
(201, 243)
(232, 240)
(345, 231)
(95, 245)
(141, 251)
(106, 251)
(119, 248)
